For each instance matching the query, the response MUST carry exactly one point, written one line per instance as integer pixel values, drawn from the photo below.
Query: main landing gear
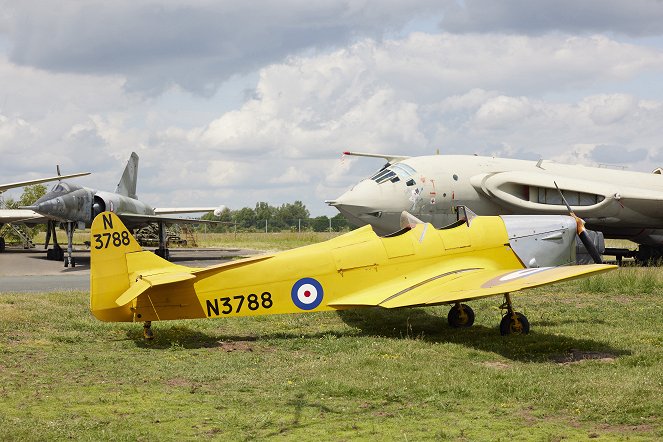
(147, 330)
(513, 323)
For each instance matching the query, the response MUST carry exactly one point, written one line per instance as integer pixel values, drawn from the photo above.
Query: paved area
(30, 271)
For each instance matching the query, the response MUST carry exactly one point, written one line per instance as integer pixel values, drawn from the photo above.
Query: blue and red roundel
(307, 293)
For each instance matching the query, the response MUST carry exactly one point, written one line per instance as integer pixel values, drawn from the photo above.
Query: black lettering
(253, 302)
(228, 307)
(108, 237)
(213, 307)
(266, 298)
(241, 301)
(99, 244)
(117, 240)
(108, 221)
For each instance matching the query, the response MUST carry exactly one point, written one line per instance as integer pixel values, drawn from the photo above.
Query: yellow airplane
(418, 266)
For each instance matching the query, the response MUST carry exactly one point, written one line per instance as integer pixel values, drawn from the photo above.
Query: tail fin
(127, 184)
(120, 270)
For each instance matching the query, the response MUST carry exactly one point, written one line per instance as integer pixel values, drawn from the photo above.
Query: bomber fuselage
(621, 204)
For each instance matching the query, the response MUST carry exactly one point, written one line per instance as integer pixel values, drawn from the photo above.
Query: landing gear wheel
(2, 244)
(460, 315)
(511, 326)
(147, 330)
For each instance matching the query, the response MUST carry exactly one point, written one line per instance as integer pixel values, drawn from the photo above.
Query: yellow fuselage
(300, 280)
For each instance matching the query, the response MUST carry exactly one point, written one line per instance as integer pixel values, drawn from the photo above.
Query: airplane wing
(463, 284)
(21, 216)
(390, 158)
(176, 210)
(133, 218)
(8, 186)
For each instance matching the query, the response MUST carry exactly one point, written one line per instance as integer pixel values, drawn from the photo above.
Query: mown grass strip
(592, 367)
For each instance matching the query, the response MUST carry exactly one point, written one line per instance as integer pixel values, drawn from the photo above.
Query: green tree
(320, 224)
(339, 223)
(245, 218)
(29, 196)
(290, 215)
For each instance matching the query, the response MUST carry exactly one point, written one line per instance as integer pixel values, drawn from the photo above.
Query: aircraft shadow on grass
(410, 323)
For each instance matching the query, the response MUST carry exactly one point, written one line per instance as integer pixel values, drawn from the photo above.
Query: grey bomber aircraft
(23, 216)
(76, 207)
(618, 203)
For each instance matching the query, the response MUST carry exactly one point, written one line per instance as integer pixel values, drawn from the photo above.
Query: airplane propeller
(582, 232)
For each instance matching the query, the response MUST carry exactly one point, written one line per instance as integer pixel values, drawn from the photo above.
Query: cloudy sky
(232, 102)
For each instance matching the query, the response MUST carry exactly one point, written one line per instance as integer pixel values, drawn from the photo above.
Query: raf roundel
(307, 293)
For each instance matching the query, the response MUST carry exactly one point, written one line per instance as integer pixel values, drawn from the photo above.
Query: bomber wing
(431, 288)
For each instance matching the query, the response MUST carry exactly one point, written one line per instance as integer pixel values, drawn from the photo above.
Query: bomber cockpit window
(395, 173)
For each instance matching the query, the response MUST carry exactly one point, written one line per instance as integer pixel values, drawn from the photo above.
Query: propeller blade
(581, 231)
(589, 245)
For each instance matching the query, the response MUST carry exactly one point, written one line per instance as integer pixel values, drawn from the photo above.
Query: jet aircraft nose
(49, 206)
(360, 205)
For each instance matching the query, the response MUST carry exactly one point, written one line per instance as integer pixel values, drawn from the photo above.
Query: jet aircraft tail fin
(127, 184)
(120, 270)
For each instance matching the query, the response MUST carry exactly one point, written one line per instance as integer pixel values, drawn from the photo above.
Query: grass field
(244, 240)
(592, 367)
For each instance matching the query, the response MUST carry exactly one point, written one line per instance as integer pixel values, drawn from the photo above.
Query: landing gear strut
(147, 330)
(69, 260)
(163, 251)
(513, 323)
(56, 253)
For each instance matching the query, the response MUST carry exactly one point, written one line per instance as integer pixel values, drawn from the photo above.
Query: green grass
(592, 367)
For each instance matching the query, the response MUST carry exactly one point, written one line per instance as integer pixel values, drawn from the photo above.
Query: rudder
(127, 184)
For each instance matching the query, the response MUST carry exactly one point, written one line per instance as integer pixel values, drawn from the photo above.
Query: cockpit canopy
(395, 173)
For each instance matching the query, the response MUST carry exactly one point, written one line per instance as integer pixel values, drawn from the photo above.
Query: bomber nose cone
(371, 203)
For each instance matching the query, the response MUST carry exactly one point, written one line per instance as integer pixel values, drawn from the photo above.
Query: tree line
(265, 217)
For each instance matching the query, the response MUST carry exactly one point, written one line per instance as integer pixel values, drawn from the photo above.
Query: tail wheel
(460, 316)
(514, 324)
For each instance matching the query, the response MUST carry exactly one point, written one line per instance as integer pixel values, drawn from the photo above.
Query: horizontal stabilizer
(464, 284)
(147, 281)
(232, 264)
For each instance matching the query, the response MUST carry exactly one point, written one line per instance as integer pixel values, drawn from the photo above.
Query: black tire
(510, 327)
(457, 320)
(2, 244)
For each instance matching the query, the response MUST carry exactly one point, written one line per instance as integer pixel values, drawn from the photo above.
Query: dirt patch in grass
(497, 365)
(230, 346)
(577, 356)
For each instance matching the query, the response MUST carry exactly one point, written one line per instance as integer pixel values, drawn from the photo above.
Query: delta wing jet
(77, 206)
(619, 204)
(23, 216)
(419, 265)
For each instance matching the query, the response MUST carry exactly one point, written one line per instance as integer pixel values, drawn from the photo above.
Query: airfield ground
(592, 368)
